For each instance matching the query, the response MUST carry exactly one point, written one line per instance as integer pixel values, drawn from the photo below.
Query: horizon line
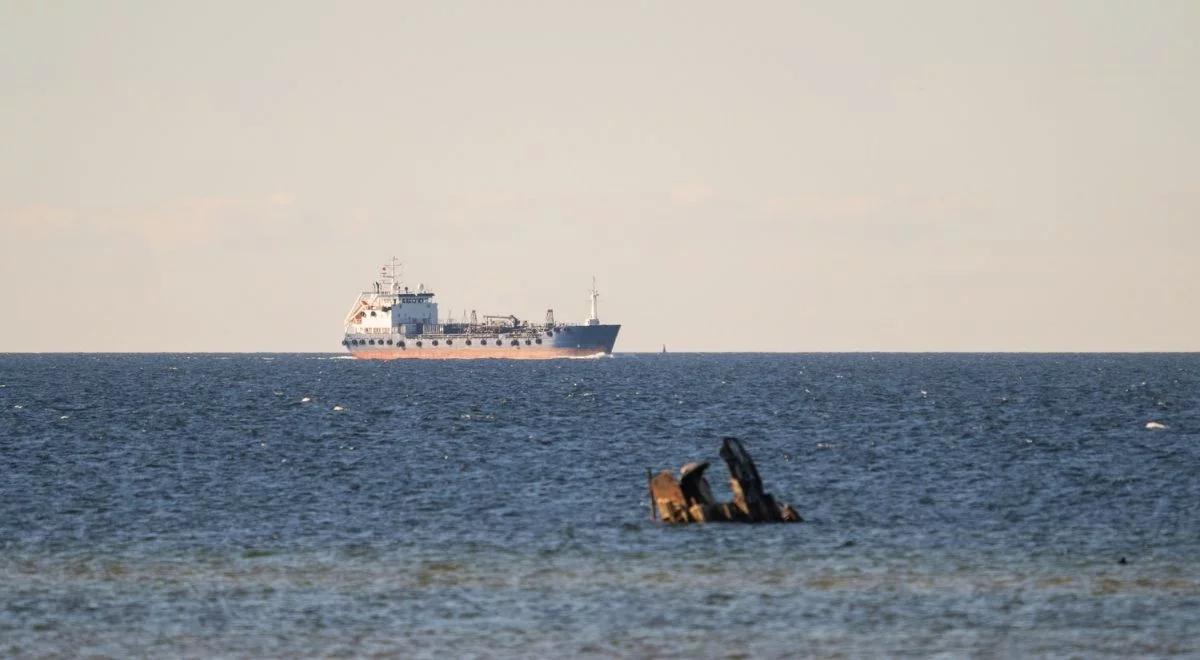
(680, 352)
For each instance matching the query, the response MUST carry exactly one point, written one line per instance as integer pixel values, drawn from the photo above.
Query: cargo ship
(390, 321)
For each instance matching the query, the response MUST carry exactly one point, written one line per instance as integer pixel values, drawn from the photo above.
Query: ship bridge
(389, 305)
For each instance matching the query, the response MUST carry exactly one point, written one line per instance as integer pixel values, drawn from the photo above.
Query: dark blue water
(955, 504)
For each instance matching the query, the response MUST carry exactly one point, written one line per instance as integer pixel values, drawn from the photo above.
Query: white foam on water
(594, 356)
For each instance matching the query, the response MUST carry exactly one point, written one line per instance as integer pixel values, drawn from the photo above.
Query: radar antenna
(391, 275)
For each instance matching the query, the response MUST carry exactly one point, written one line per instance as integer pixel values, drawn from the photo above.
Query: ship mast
(391, 276)
(593, 319)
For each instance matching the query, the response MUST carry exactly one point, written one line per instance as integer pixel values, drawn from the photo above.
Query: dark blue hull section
(598, 337)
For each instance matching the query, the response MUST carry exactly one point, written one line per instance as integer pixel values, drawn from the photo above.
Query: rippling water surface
(299, 505)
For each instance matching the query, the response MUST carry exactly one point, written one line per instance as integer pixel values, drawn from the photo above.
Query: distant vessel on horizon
(390, 322)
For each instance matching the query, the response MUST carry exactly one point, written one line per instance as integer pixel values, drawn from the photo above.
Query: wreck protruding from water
(690, 499)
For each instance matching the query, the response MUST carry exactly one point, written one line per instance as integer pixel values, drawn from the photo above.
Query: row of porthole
(449, 342)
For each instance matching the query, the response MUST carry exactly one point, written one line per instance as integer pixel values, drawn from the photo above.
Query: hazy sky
(206, 176)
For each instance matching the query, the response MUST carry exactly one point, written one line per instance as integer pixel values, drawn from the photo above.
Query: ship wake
(593, 356)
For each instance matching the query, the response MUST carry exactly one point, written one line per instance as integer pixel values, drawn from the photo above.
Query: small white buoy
(338, 408)
(1155, 425)
(305, 400)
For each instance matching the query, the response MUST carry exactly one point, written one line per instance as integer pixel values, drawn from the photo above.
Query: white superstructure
(389, 305)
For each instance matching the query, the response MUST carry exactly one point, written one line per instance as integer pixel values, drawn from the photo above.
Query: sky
(852, 176)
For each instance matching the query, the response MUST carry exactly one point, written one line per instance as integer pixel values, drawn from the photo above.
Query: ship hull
(565, 342)
(538, 353)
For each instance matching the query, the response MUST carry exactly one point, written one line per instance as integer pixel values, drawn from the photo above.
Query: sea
(304, 505)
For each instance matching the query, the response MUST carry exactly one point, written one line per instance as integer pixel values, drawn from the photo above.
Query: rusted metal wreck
(691, 500)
